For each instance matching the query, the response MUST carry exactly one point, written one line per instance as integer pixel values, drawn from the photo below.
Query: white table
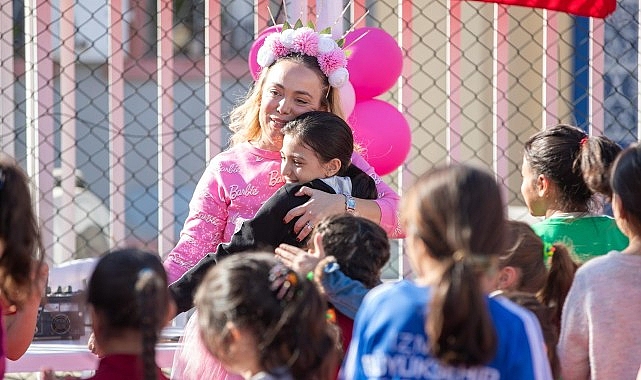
(73, 355)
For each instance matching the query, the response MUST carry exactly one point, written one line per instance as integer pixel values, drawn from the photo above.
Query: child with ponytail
(565, 178)
(129, 304)
(525, 279)
(265, 322)
(442, 324)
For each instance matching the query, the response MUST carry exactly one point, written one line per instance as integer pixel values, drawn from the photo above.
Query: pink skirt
(192, 361)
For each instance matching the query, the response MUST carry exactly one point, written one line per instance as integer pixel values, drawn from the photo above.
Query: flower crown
(306, 40)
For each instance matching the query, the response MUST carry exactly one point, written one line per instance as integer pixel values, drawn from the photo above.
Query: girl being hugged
(263, 321)
(600, 320)
(316, 154)
(129, 304)
(564, 170)
(443, 323)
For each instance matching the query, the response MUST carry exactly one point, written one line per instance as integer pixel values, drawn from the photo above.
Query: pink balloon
(382, 132)
(254, 67)
(348, 98)
(252, 61)
(374, 63)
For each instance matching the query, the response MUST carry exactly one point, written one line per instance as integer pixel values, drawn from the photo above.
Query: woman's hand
(320, 205)
(302, 262)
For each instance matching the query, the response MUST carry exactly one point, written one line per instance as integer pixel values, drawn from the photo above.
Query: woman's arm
(383, 210)
(345, 293)
(204, 227)
(264, 231)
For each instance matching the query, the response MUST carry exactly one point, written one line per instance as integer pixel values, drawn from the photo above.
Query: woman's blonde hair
(243, 119)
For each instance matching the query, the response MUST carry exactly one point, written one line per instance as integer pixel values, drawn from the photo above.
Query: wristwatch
(350, 204)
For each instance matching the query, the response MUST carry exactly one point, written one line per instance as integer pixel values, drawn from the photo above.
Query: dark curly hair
(288, 322)
(360, 246)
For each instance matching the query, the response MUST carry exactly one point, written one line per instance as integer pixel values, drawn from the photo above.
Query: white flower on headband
(326, 44)
(287, 38)
(265, 57)
(338, 77)
(306, 41)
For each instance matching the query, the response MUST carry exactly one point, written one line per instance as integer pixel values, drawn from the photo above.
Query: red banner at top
(588, 8)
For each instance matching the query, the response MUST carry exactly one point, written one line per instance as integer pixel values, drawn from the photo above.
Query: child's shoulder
(508, 315)
(401, 294)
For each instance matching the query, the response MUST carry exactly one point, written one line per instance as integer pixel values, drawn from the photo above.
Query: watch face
(350, 203)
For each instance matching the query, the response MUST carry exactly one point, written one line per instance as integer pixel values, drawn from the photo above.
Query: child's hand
(48, 374)
(93, 346)
(299, 260)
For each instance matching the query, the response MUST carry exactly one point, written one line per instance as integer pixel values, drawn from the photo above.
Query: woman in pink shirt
(302, 71)
(239, 180)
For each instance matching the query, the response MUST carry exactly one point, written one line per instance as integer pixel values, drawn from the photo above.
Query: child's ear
(332, 167)
(508, 278)
(543, 185)
(319, 249)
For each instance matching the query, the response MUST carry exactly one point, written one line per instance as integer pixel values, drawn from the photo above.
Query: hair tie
(480, 263)
(458, 256)
(548, 250)
(282, 282)
(584, 141)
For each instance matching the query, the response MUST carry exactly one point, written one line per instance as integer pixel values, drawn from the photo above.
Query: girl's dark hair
(330, 137)
(560, 276)
(20, 233)
(457, 213)
(288, 321)
(526, 252)
(576, 163)
(626, 184)
(597, 156)
(128, 288)
(360, 246)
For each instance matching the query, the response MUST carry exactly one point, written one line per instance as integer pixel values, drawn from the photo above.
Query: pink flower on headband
(331, 61)
(278, 48)
(306, 41)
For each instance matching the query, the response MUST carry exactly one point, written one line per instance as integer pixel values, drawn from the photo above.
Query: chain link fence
(478, 80)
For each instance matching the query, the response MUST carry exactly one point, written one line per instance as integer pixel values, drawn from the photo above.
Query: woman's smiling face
(290, 89)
